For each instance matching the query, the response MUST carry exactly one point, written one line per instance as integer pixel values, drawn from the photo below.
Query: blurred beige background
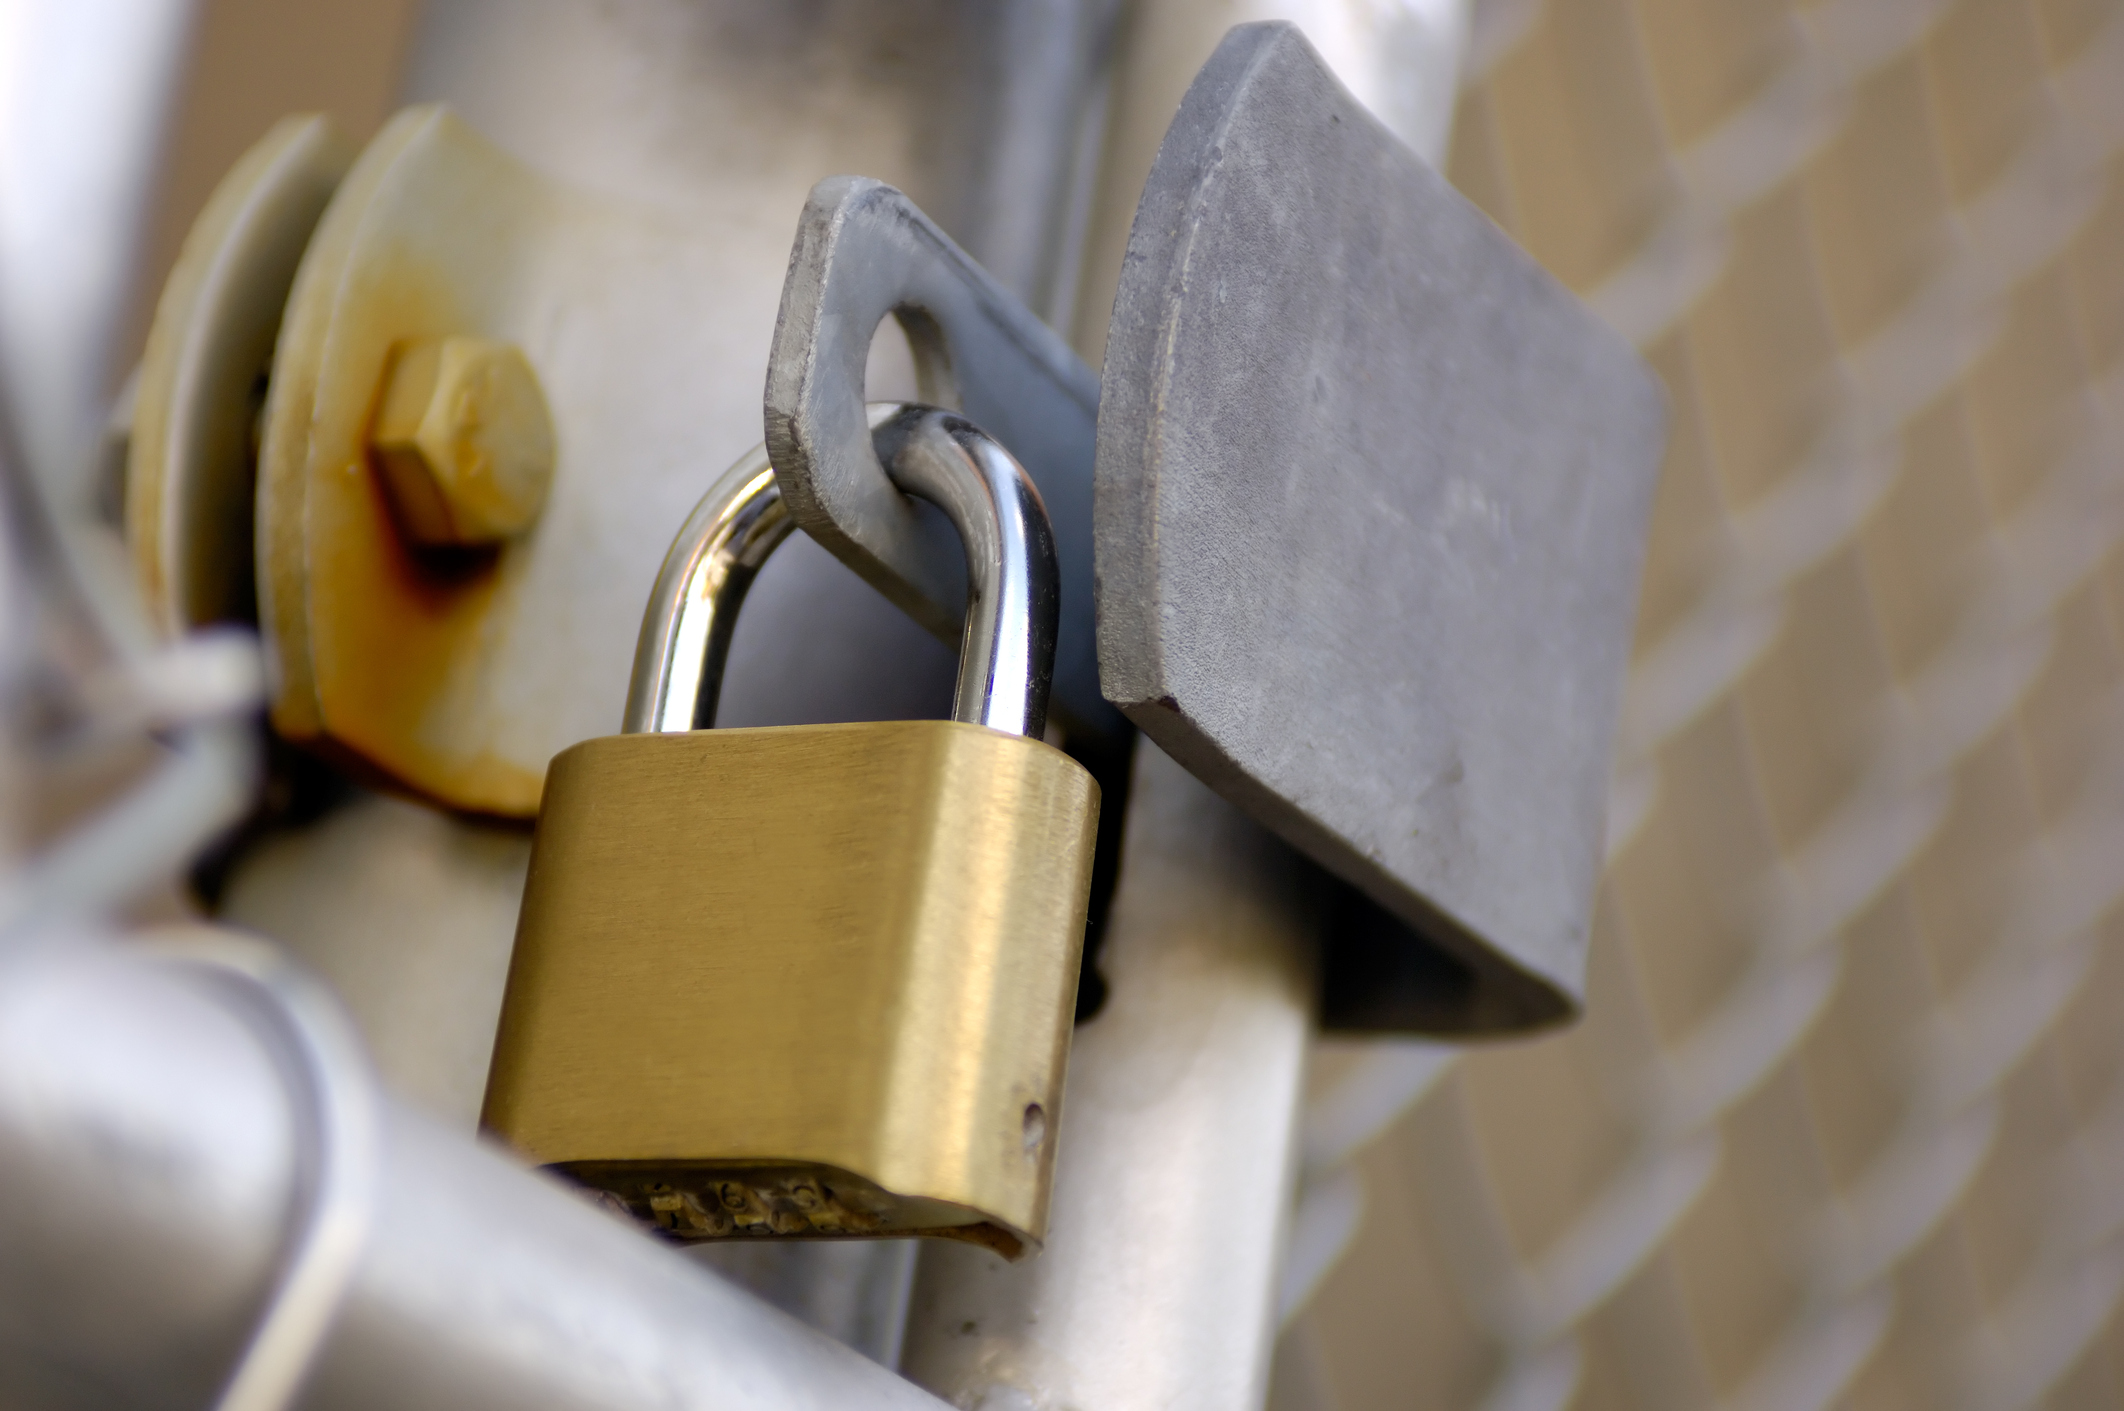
(1843, 1126)
(254, 61)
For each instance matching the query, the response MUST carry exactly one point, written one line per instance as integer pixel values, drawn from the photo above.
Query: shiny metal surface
(678, 665)
(1008, 551)
(85, 87)
(864, 251)
(1013, 596)
(687, 627)
(151, 1145)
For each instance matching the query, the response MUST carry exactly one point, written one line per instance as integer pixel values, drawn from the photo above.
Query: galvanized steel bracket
(1372, 497)
(864, 251)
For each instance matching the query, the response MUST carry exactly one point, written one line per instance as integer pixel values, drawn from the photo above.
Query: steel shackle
(1013, 595)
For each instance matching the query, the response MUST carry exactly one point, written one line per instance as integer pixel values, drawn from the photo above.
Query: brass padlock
(812, 980)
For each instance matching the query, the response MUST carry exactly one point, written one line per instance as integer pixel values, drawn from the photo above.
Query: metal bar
(84, 91)
(153, 1140)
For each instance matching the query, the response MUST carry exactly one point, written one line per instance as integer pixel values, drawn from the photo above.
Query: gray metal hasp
(1370, 505)
(863, 251)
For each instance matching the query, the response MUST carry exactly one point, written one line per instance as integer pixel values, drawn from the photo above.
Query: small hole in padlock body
(1035, 1128)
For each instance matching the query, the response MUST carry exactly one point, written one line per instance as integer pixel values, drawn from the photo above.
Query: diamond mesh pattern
(1845, 1123)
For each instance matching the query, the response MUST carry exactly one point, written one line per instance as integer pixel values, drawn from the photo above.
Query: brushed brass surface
(804, 980)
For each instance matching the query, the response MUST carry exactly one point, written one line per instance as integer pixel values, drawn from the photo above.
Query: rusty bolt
(463, 441)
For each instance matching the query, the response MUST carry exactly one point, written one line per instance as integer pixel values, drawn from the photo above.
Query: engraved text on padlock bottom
(802, 981)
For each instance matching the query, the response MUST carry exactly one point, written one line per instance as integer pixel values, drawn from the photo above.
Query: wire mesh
(1844, 1124)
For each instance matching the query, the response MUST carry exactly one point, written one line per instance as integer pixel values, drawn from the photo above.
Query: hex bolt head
(463, 441)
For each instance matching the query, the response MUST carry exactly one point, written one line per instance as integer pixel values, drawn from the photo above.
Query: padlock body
(803, 980)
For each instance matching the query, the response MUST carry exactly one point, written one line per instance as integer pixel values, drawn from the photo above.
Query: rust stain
(391, 642)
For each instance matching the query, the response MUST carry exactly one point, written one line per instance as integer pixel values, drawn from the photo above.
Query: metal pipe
(678, 665)
(1157, 1285)
(152, 1140)
(85, 88)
